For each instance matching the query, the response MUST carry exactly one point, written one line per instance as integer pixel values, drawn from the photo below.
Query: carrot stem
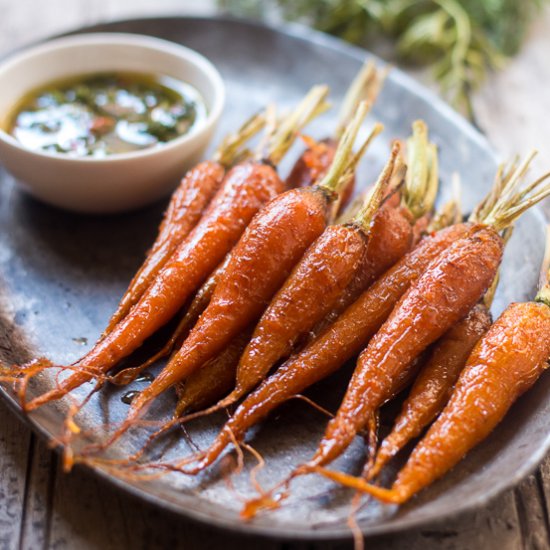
(345, 162)
(421, 180)
(367, 212)
(543, 294)
(502, 211)
(365, 86)
(231, 150)
(313, 104)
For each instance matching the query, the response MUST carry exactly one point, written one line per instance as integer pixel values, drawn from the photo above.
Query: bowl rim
(131, 40)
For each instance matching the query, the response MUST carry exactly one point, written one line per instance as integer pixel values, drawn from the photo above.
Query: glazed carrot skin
(438, 300)
(184, 211)
(246, 188)
(391, 238)
(194, 310)
(345, 338)
(434, 384)
(303, 301)
(504, 364)
(327, 268)
(214, 380)
(313, 165)
(258, 267)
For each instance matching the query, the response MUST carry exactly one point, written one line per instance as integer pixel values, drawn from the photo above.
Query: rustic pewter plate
(62, 275)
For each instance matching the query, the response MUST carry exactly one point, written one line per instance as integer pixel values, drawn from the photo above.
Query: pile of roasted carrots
(272, 284)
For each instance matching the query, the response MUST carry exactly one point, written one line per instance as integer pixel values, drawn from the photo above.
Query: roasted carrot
(192, 313)
(184, 211)
(434, 384)
(214, 380)
(430, 307)
(259, 264)
(505, 363)
(246, 188)
(353, 329)
(315, 161)
(308, 294)
(394, 227)
(337, 344)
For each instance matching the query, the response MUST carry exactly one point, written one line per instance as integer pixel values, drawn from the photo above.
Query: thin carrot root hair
(260, 465)
(31, 370)
(314, 405)
(270, 500)
(385, 495)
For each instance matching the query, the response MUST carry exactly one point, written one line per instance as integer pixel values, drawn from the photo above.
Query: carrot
(315, 161)
(213, 380)
(505, 363)
(260, 262)
(309, 292)
(431, 307)
(353, 329)
(336, 345)
(184, 211)
(434, 384)
(246, 188)
(392, 234)
(194, 310)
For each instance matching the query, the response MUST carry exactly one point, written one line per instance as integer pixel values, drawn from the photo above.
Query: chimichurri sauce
(104, 114)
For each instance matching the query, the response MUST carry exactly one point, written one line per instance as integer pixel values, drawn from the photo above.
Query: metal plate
(62, 275)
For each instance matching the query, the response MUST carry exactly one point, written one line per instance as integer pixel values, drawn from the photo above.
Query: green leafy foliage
(460, 39)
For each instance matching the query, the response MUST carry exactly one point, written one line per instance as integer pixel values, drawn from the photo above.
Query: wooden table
(41, 507)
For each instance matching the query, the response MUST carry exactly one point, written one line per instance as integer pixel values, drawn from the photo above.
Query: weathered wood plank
(531, 513)
(39, 496)
(14, 454)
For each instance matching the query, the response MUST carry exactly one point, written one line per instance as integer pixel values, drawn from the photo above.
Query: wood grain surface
(40, 507)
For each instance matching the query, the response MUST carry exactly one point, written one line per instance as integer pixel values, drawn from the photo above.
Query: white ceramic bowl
(117, 182)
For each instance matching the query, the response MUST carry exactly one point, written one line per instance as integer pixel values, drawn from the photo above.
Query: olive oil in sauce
(104, 114)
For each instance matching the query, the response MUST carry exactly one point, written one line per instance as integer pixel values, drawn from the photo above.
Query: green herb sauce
(104, 114)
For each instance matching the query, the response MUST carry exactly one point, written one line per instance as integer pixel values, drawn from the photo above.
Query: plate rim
(249, 529)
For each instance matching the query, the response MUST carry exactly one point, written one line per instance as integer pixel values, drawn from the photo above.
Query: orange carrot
(353, 329)
(246, 188)
(431, 390)
(196, 307)
(184, 211)
(392, 234)
(430, 308)
(505, 363)
(260, 262)
(310, 291)
(213, 380)
(337, 344)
